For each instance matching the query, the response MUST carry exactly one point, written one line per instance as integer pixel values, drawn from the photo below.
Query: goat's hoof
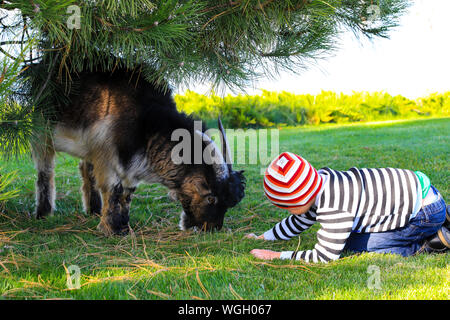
(40, 214)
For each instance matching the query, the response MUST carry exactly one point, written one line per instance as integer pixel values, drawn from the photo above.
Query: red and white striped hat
(290, 181)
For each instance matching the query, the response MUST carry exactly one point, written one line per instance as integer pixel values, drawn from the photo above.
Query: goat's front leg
(91, 196)
(125, 201)
(113, 219)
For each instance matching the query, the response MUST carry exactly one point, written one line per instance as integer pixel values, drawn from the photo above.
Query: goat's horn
(219, 164)
(225, 146)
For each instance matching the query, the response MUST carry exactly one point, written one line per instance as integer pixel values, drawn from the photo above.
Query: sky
(413, 62)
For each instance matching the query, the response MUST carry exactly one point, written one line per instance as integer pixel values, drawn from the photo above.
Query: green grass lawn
(157, 261)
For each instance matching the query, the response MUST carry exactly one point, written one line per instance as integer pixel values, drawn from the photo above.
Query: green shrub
(277, 109)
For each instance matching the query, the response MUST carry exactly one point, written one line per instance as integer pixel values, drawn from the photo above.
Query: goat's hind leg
(44, 162)
(92, 200)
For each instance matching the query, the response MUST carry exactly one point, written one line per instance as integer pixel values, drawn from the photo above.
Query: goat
(120, 126)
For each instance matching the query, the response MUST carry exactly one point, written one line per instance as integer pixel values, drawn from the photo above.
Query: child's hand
(265, 254)
(254, 236)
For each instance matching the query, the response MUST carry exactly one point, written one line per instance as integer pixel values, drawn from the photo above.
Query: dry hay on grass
(120, 259)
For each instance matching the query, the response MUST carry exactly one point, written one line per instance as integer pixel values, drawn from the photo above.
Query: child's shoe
(438, 243)
(447, 218)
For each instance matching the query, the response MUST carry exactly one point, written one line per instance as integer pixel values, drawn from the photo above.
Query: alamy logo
(73, 275)
(243, 147)
(74, 20)
(374, 280)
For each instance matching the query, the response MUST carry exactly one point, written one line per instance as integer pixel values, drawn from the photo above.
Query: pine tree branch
(3, 75)
(110, 25)
(2, 43)
(218, 41)
(259, 6)
(223, 5)
(31, 60)
(7, 54)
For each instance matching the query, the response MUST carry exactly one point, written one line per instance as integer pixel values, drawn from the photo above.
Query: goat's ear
(236, 188)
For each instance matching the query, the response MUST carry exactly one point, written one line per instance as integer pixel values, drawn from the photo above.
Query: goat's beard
(183, 221)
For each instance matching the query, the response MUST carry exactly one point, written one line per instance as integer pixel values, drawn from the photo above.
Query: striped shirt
(357, 200)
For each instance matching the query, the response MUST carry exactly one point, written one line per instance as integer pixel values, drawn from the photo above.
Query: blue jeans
(404, 241)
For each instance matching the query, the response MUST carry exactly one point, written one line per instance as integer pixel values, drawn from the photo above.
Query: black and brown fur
(120, 126)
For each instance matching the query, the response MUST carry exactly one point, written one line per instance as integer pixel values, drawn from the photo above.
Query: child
(376, 210)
